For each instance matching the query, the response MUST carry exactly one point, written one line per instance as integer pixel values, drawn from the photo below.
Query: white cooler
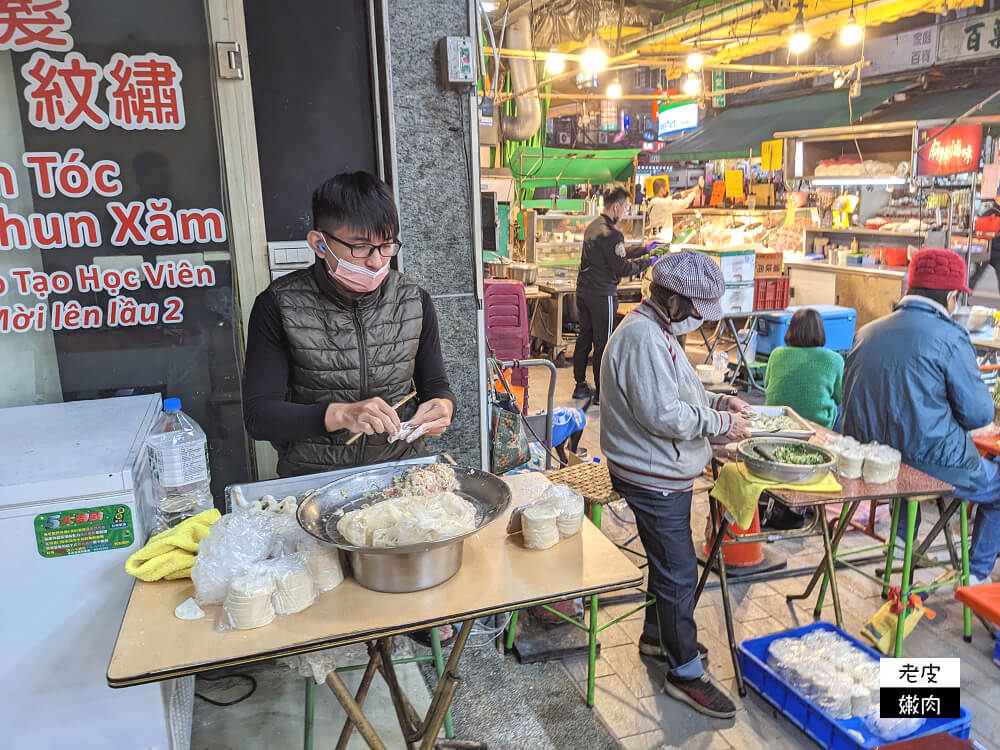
(72, 478)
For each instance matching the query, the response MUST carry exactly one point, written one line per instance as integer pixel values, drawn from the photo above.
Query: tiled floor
(629, 696)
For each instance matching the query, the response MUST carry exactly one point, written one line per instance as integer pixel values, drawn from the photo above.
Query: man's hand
(432, 418)
(737, 405)
(370, 417)
(740, 429)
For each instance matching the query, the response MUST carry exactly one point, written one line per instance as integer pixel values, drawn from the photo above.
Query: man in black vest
(331, 348)
(603, 264)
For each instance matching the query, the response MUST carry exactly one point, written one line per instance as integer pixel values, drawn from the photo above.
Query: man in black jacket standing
(603, 263)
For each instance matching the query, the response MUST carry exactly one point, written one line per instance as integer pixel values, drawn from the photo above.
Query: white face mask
(685, 326)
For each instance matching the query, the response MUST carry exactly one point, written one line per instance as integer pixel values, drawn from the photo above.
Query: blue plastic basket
(806, 715)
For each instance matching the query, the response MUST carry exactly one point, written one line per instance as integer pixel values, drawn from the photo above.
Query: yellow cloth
(739, 490)
(171, 554)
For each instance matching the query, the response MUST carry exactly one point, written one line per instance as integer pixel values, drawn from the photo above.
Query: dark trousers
(597, 318)
(664, 526)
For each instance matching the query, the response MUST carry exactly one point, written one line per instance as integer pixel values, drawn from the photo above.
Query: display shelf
(867, 232)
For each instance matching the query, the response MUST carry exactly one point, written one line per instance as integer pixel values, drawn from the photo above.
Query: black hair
(615, 194)
(938, 295)
(806, 329)
(358, 200)
(661, 296)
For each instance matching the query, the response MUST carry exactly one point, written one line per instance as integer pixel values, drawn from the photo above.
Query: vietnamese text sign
(951, 151)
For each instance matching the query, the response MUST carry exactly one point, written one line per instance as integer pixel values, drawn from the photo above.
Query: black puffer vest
(345, 350)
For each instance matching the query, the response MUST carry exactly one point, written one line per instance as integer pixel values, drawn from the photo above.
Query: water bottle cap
(171, 404)
(597, 460)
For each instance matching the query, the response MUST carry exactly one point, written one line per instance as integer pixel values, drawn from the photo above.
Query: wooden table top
(497, 575)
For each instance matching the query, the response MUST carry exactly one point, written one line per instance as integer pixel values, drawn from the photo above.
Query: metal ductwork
(525, 123)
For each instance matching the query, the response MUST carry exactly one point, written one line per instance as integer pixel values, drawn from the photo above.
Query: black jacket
(604, 261)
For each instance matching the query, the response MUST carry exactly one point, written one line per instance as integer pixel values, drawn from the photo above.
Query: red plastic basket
(770, 293)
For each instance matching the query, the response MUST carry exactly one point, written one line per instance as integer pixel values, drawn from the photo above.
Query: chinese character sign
(976, 36)
(920, 688)
(949, 151)
(35, 24)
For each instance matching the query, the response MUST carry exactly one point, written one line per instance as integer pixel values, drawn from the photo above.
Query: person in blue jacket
(912, 381)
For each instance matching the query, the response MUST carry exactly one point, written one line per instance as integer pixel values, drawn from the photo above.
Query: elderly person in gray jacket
(656, 421)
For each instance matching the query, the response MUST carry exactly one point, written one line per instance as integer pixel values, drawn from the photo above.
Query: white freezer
(62, 613)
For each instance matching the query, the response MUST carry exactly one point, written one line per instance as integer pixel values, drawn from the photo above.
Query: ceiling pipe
(707, 22)
(525, 123)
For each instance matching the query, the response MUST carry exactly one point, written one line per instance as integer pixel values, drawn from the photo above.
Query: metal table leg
(846, 514)
(966, 612)
(831, 567)
(904, 588)
(842, 525)
(307, 740)
(890, 547)
(727, 607)
(374, 658)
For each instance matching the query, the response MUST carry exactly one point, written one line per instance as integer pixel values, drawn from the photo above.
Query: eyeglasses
(366, 250)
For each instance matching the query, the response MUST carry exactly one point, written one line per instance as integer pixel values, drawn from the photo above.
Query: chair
(508, 331)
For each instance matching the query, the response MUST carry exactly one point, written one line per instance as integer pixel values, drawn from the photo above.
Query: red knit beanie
(937, 268)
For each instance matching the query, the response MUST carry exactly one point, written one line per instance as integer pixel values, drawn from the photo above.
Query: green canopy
(940, 105)
(534, 167)
(737, 133)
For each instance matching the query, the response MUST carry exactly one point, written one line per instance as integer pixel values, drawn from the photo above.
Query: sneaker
(582, 390)
(650, 647)
(596, 400)
(702, 695)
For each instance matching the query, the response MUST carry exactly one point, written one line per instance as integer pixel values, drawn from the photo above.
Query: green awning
(939, 105)
(736, 133)
(534, 167)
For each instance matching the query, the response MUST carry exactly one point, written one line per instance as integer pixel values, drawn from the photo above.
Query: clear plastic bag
(294, 587)
(539, 525)
(323, 561)
(234, 542)
(569, 506)
(248, 603)
(891, 729)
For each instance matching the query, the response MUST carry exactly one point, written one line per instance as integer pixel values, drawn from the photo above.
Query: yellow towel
(739, 490)
(171, 554)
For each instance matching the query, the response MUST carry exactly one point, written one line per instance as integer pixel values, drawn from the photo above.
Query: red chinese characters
(145, 92)
(62, 95)
(35, 24)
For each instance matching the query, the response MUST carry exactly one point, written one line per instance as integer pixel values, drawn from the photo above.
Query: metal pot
(399, 569)
(778, 471)
(497, 269)
(526, 273)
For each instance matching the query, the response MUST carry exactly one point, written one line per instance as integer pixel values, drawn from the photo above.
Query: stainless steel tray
(804, 433)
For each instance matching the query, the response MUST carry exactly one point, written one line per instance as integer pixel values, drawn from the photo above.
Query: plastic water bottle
(178, 462)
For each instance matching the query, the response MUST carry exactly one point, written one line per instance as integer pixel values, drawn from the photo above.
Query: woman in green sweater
(803, 375)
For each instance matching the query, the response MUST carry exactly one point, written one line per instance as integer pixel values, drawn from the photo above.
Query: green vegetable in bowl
(801, 455)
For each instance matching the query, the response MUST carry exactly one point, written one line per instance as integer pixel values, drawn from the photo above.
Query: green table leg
(512, 629)
(597, 515)
(890, 551)
(307, 740)
(844, 511)
(449, 730)
(904, 588)
(963, 510)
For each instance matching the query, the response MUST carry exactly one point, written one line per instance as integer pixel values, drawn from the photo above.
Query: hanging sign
(734, 183)
(719, 84)
(718, 193)
(951, 151)
(772, 155)
(970, 37)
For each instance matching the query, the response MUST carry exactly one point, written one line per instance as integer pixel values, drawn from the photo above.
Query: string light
(800, 40)
(695, 60)
(554, 62)
(851, 33)
(614, 89)
(692, 84)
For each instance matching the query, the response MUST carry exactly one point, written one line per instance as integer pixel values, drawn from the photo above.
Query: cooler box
(838, 323)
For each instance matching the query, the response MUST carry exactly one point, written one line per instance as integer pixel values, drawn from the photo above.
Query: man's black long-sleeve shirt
(604, 260)
(268, 413)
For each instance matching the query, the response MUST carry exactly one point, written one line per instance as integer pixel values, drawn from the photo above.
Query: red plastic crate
(770, 293)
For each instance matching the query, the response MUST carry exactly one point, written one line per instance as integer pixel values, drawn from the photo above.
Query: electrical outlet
(456, 58)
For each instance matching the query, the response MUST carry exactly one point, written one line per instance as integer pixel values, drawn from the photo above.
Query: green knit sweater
(808, 379)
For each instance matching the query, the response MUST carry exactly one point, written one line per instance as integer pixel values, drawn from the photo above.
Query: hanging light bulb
(800, 40)
(554, 62)
(614, 89)
(593, 59)
(851, 33)
(692, 84)
(695, 60)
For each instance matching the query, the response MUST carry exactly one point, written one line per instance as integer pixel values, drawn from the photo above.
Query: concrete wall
(433, 159)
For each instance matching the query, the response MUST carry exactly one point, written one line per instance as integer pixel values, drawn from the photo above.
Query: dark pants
(597, 318)
(664, 525)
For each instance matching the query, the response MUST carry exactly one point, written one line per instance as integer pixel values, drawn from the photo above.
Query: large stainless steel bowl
(760, 466)
(408, 568)
(526, 273)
